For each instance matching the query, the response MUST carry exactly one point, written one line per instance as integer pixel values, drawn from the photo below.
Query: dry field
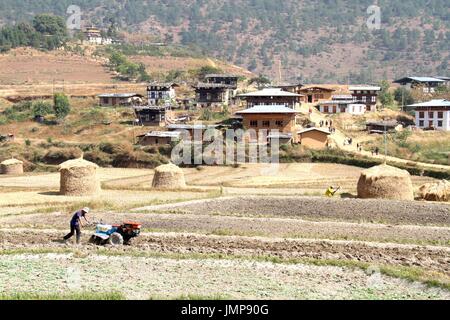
(244, 233)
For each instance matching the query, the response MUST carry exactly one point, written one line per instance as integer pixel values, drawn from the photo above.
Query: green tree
(61, 105)
(42, 108)
(386, 97)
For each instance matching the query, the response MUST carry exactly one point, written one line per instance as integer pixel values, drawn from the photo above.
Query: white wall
(426, 119)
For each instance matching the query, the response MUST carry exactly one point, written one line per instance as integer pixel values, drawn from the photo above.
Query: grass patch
(413, 274)
(70, 296)
(193, 297)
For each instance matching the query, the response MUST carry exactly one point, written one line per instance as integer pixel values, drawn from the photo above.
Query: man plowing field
(76, 224)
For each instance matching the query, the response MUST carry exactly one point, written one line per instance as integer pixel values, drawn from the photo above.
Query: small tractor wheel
(92, 239)
(115, 239)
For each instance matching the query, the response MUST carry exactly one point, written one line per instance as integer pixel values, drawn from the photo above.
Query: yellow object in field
(330, 192)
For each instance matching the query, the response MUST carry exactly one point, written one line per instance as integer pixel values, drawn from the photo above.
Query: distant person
(377, 151)
(331, 191)
(76, 224)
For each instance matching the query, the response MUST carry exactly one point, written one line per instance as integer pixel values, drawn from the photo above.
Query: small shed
(314, 138)
(120, 99)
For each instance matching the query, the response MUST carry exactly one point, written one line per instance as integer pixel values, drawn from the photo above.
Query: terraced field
(234, 233)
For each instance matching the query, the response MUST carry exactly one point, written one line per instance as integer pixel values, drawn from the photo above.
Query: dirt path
(340, 137)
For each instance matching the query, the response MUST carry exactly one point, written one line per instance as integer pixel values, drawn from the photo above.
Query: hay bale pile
(385, 182)
(79, 178)
(169, 176)
(439, 191)
(11, 167)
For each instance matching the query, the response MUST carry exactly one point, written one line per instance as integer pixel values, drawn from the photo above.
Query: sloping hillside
(315, 41)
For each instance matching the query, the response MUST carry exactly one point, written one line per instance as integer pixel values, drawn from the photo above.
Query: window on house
(440, 123)
(364, 98)
(421, 123)
(374, 99)
(253, 123)
(325, 109)
(440, 115)
(421, 115)
(266, 123)
(279, 123)
(208, 96)
(431, 115)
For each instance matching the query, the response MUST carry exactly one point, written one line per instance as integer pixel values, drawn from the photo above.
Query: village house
(278, 118)
(434, 114)
(226, 79)
(381, 127)
(342, 104)
(94, 36)
(367, 95)
(315, 94)
(159, 138)
(446, 80)
(427, 84)
(290, 87)
(152, 116)
(120, 99)
(191, 129)
(213, 95)
(314, 138)
(161, 93)
(272, 97)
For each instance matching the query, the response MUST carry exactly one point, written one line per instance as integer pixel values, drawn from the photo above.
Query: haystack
(385, 182)
(169, 176)
(439, 191)
(79, 178)
(12, 167)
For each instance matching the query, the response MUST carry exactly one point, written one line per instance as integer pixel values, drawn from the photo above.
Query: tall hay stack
(11, 167)
(79, 178)
(169, 176)
(385, 182)
(439, 191)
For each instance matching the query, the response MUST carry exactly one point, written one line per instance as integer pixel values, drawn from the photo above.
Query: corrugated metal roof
(364, 88)
(314, 129)
(190, 127)
(270, 92)
(163, 134)
(418, 79)
(268, 109)
(119, 95)
(216, 75)
(432, 103)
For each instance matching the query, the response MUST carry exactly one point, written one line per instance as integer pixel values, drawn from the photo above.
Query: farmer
(76, 223)
(331, 191)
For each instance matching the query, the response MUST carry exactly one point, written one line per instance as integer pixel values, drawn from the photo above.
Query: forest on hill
(310, 41)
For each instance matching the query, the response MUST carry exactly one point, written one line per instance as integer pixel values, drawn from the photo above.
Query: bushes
(59, 155)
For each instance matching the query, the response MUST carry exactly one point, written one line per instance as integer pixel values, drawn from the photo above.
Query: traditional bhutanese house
(94, 36)
(152, 116)
(313, 138)
(342, 104)
(213, 95)
(271, 97)
(367, 95)
(428, 84)
(120, 99)
(381, 126)
(434, 114)
(161, 93)
(192, 129)
(446, 79)
(159, 138)
(290, 87)
(314, 94)
(226, 79)
(267, 119)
